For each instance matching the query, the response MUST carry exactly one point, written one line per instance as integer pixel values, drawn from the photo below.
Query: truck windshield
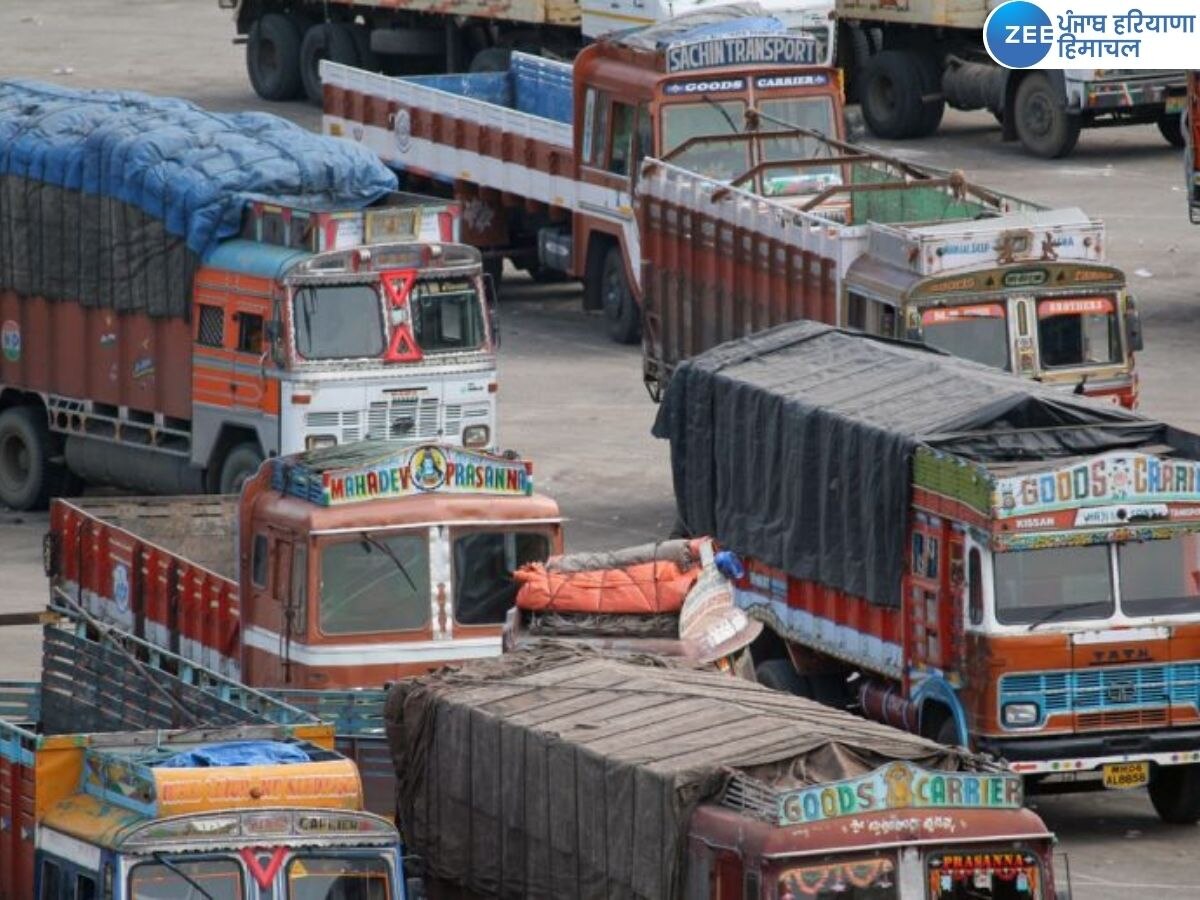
(721, 160)
(375, 583)
(978, 332)
(1160, 578)
(984, 875)
(814, 113)
(1035, 586)
(484, 562)
(869, 878)
(1078, 332)
(338, 322)
(447, 316)
(326, 878)
(178, 879)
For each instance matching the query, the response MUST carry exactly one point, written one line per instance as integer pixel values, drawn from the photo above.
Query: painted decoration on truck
(403, 472)
(1126, 478)
(900, 785)
(10, 340)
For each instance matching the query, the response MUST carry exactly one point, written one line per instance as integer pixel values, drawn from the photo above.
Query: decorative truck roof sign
(1029, 237)
(900, 785)
(1112, 489)
(743, 50)
(374, 470)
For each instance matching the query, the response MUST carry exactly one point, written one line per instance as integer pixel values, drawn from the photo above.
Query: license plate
(1126, 775)
(1175, 104)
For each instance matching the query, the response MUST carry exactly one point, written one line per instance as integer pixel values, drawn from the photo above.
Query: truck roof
(640, 740)
(857, 409)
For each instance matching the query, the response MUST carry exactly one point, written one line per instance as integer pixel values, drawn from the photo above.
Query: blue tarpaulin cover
(237, 753)
(176, 162)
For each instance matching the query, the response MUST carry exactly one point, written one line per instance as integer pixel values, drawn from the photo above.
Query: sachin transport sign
(391, 472)
(896, 786)
(743, 50)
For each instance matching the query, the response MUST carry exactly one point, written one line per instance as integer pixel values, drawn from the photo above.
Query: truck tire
(273, 57)
(946, 733)
(621, 312)
(1170, 126)
(781, 675)
(25, 470)
(1175, 793)
(240, 463)
(491, 59)
(327, 40)
(1042, 122)
(890, 91)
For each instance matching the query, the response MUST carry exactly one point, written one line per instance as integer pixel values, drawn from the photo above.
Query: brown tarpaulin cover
(648, 579)
(557, 772)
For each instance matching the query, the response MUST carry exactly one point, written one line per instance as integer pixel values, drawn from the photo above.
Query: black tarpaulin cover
(795, 445)
(558, 772)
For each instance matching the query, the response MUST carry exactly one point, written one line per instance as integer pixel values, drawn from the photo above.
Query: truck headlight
(319, 441)
(1017, 715)
(476, 436)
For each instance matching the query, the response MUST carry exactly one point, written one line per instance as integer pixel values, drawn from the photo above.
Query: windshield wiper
(390, 554)
(723, 111)
(1058, 611)
(166, 863)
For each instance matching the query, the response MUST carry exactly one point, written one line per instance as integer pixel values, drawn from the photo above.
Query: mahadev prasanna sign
(900, 785)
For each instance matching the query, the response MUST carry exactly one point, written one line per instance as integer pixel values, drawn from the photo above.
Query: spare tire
(331, 41)
(273, 57)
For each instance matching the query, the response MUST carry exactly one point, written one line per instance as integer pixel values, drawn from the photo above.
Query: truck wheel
(491, 59)
(890, 92)
(780, 675)
(1170, 126)
(241, 463)
(621, 311)
(1175, 793)
(931, 83)
(1043, 125)
(947, 732)
(25, 471)
(273, 57)
(328, 40)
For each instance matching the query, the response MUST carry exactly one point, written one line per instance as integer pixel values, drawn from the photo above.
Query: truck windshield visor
(1081, 331)
(1160, 578)
(447, 316)
(375, 583)
(178, 879)
(978, 332)
(1002, 874)
(1056, 584)
(325, 877)
(484, 562)
(815, 114)
(868, 878)
(720, 160)
(343, 321)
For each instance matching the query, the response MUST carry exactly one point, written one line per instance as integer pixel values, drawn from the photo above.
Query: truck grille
(398, 420)
(1129, 696)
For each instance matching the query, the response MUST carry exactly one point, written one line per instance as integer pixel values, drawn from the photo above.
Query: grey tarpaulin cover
(794, 445)
(112, 199)
(558, 772)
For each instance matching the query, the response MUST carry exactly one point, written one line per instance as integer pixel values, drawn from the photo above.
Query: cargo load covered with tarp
(795, 445)
(557, 772)
(113, 199)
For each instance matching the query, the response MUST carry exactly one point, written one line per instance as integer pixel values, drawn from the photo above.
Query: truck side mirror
(493, 307)
(855, 126)
(1133, 326)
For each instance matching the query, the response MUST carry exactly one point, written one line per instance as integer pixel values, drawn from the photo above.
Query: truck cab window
(85, 887)
(258, 561)
(210, 327)
(622, 138)
(484, 562)
(856, 311)
(342, 321)
(375, 583)
(975, 587)
(250, 333)
(1078, 332)
(447, 316)
(869, 878)
(595, 128)
(320, 877)
(220, 878)
(51, 881)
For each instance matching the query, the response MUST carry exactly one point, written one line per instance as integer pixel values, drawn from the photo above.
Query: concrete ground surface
(574, 403)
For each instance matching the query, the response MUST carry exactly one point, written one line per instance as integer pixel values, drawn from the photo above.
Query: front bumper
(1168, 91)
(1081, 753)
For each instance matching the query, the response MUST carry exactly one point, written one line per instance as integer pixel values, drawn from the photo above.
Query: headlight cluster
(1021, 715)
